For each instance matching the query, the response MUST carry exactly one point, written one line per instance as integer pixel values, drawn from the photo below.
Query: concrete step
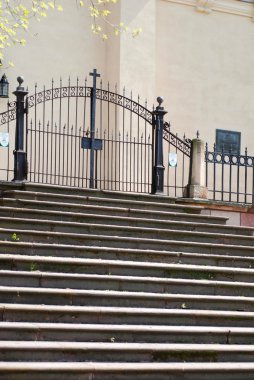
(108, 223)
(67, 190)
(126, 371)
(138, 238)
(215, 254)
(101, 201)
(124, 315)
(124, 333)
(124, 352)
(173, 221)
(125, 268)
(72, 208)
(109, 210)
(110, 298)
(123, 283)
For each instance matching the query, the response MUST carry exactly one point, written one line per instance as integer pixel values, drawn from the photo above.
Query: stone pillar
(197, 181)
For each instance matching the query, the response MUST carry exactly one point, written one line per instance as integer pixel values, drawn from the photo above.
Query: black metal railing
(176, 177)
(55, 158)
(229, 177)
(78, 135)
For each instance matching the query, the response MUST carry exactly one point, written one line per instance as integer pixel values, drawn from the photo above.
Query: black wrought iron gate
(77, 135)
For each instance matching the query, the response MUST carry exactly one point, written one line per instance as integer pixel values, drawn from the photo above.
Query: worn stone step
(115, 225)
(69, 220)
(218, 255)
(125, 352)
(126, 371)
(125, 268)
(71, 190)
(102, 201)
(124, 333)
(69, 208)
(79, 229)
(110, 298)
(139, 238)
(36, 278)
(123, 315)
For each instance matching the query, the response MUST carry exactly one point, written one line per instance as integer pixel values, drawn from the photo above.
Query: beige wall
(60, 45)
(205, 70)
(201, 63)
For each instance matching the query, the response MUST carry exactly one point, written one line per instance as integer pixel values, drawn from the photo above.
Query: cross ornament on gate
(95, 75)
(91, 142)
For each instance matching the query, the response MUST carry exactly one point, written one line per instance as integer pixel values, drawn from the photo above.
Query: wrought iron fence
(7, 119)
(89, 136)
(229, 177)
(78, 135)
(176, 176)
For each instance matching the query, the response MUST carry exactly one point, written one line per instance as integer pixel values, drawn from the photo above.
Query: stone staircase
(101, 285)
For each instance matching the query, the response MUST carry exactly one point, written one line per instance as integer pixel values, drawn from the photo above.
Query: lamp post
(4, 87)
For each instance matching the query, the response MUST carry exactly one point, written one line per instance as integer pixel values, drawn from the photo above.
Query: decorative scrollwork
(126, 103)
(229, 159)
(80, 91)
(183, 145)
(59, 92)
(9, 115)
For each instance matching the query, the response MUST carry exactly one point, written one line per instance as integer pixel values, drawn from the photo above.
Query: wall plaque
(228, 141)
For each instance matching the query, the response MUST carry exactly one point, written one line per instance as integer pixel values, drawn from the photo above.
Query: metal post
(95, 75)
(158, 169)
(20, 157)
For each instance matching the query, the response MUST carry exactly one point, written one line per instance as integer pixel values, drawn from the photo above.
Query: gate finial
(160, 100)
(20, 80)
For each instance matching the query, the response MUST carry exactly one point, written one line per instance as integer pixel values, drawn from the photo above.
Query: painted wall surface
(138, 55)
(60, 45)
(204, 70)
